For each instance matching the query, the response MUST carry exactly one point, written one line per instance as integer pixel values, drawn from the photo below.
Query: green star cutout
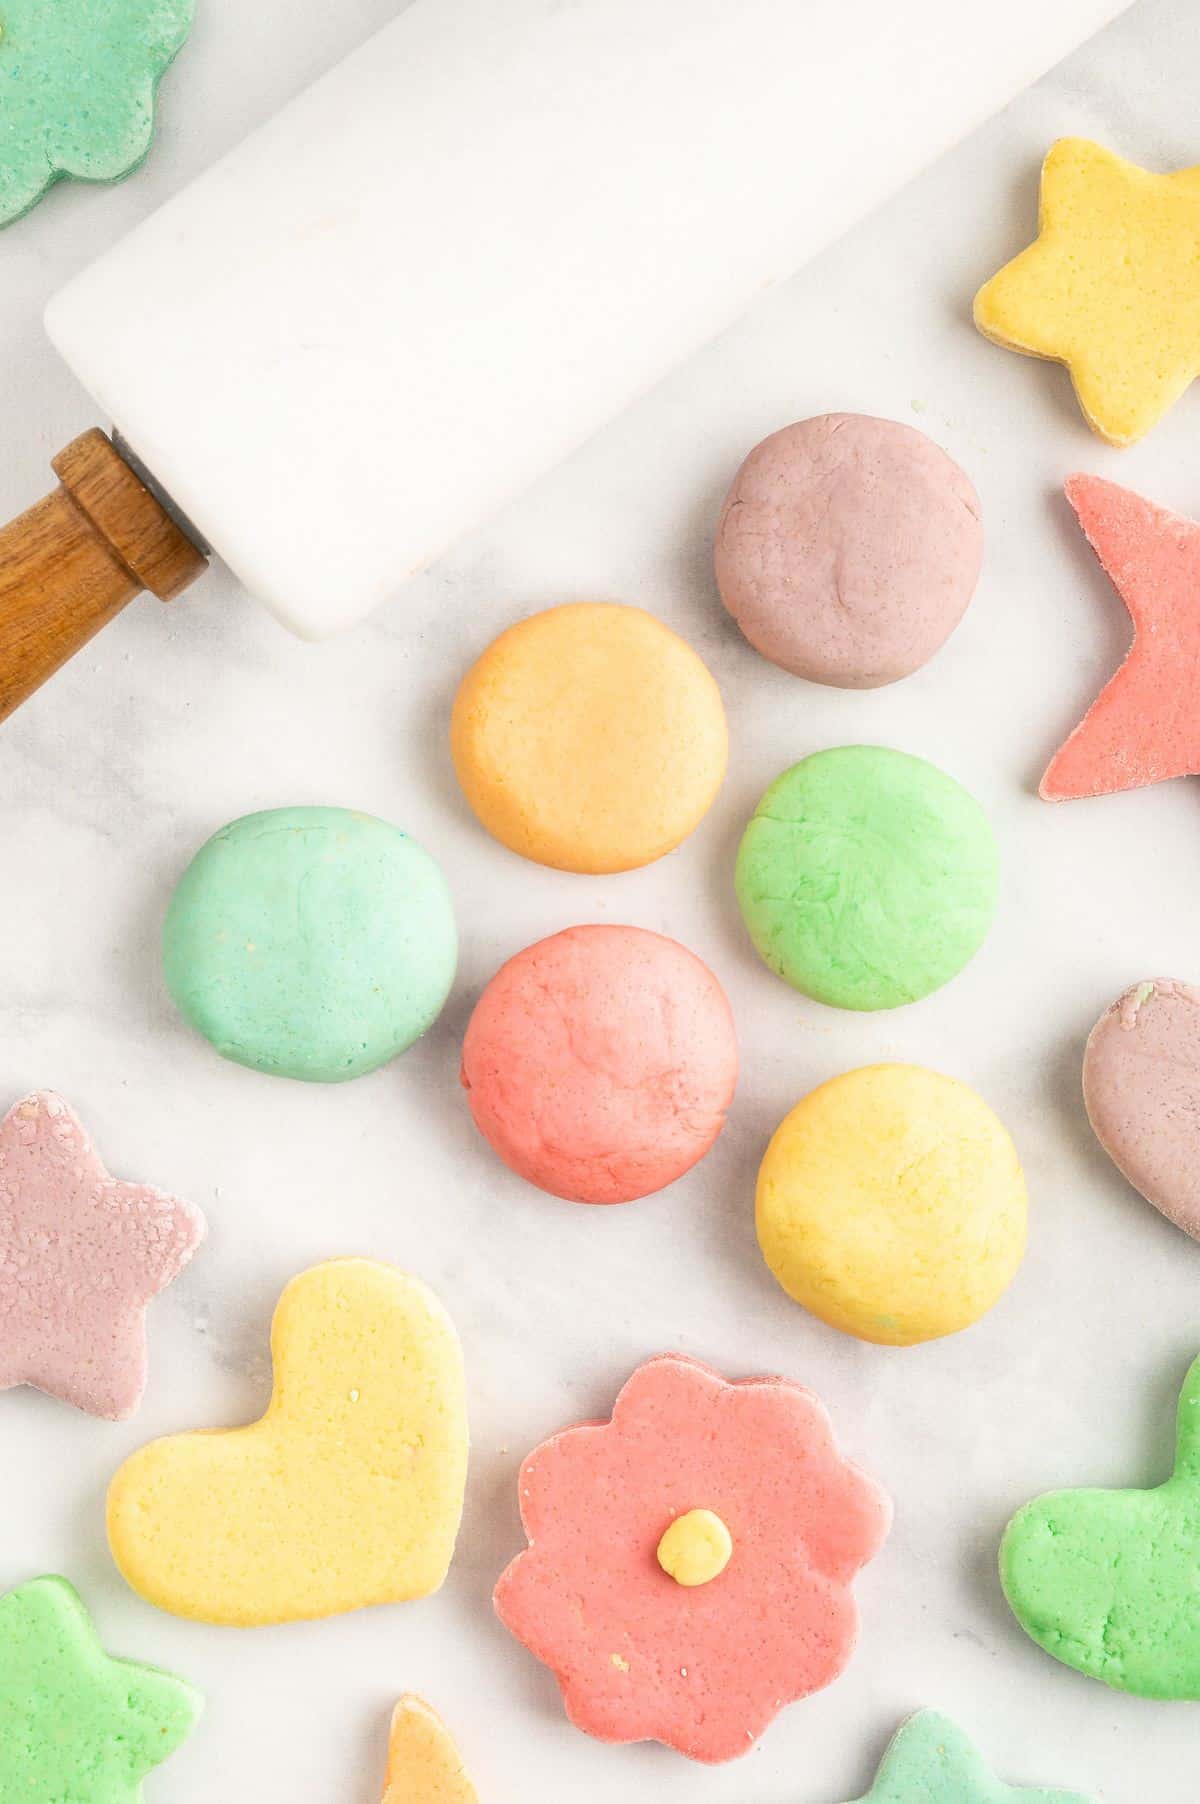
(931, 1761)
(77, 1727)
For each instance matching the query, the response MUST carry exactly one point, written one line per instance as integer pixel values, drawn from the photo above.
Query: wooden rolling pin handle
(73, 561)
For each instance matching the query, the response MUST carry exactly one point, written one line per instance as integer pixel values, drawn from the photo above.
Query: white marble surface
(181, 718)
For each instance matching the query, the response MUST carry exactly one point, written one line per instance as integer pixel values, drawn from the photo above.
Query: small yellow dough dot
(891, 1203)
(696, 1548)
(589, 738)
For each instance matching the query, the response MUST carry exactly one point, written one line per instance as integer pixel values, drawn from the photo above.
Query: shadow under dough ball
(848, 549)
(314, 943)
(867, 878)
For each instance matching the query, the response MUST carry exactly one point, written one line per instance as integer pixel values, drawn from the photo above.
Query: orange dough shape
(1145, 724)
(423, 1764)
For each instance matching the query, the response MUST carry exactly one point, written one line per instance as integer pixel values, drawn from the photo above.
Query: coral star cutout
(1145, 725)
(81, 1255)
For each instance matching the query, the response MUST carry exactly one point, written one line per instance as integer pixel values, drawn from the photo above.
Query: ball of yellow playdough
(590, 738)
(892, 1204)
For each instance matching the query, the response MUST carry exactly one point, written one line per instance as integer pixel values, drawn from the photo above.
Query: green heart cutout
(1109, 1581)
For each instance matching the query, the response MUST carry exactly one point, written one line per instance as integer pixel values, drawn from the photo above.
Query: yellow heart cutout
(348, 1492)
(423, 1763)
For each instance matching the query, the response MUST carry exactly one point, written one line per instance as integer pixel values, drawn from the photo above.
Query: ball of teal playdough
(867, 878)
(310, 942)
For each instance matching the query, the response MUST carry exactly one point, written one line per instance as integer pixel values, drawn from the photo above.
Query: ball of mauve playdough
(599, 1063)
(867, 878)
(848, 549)
(310, 942)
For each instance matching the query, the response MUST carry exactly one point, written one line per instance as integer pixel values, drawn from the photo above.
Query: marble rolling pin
(449, 262)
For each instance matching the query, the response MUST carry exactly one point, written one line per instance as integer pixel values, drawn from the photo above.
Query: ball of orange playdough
(589, 737)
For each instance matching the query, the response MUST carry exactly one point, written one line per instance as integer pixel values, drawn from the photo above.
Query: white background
(181, 718)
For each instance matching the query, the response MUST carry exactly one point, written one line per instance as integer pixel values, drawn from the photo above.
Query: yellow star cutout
(1110, 286)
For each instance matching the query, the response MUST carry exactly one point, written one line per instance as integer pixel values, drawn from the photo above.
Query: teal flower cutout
(78, 80)
(75, 1724)
(931, 1761)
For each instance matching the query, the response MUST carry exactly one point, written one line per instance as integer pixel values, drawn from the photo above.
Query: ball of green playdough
(867, 878)
(310, 942)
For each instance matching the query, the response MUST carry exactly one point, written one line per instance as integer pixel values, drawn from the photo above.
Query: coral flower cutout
(78, 80)
(690, 1562)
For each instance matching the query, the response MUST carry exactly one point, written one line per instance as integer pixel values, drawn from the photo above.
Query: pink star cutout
(1145, 724)
(81, 1255)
